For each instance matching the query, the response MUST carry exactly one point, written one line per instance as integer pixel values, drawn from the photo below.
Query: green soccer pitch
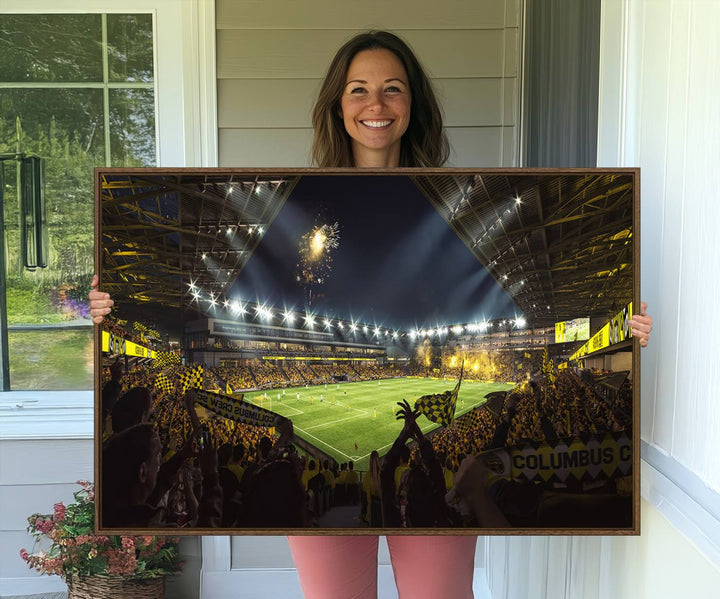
(362, 412)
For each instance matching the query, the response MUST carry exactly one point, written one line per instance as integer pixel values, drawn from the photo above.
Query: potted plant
(98, 566)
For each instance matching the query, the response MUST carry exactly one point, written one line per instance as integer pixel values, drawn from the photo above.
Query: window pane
(50, 48)
(50, 333)
(130, 47)
(65, 127)
(51, 359)
(132, 127)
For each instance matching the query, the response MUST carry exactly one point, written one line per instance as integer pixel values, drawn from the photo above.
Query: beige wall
(660, 563)
(271, 57)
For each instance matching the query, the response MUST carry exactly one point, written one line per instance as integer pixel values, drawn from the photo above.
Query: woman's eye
(393, 89)
(357, 90)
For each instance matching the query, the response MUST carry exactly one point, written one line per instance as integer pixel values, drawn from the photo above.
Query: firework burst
(315, 254)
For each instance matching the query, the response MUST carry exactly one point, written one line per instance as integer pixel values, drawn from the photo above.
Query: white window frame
(186, 132)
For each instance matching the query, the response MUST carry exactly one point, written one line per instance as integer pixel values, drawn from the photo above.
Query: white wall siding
(34, 475)
(271, 59)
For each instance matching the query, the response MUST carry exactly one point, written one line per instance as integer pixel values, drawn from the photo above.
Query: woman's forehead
(375, 63)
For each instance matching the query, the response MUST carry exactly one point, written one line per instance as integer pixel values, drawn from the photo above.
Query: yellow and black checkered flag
(468, 422)
(165, 358)
(192, 379)
(162, 383)
(440, 407)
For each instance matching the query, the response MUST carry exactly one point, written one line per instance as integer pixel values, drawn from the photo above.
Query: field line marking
(333, 422)
(324, 443)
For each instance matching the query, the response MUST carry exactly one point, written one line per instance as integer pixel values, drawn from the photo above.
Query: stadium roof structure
(560, 244)
(159, 228)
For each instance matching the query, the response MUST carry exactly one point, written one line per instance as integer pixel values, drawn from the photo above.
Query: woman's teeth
(376, 124)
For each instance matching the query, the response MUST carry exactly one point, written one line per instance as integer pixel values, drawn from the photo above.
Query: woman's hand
(641, 325)
(100, 303)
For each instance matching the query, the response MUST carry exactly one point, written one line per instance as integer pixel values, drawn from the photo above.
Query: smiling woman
(376, 99)
(375, 107)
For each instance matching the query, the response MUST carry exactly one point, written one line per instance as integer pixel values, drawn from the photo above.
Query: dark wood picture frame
(561, 243)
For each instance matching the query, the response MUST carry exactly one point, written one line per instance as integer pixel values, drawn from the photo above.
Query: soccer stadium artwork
(341, 352)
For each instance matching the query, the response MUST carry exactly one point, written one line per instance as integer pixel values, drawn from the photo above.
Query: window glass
(130, 47)
(77, 103)
(36, 48)
(132, 127)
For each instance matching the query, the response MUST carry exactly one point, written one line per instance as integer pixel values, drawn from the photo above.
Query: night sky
(398, 264)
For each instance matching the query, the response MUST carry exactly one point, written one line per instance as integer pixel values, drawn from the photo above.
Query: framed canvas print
(333, 351)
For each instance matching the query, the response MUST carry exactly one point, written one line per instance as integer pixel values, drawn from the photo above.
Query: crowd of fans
(114, 327)
(499, 366)
(166, 465)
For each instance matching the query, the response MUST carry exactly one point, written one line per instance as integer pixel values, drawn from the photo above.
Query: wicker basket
(116, 587)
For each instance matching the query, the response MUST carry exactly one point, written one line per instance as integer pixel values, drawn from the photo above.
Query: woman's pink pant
(345, 567)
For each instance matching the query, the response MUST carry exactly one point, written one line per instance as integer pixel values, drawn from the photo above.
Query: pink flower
(44, 526)
(128, 542)
(59, 512)
(24, 554)
(121, 561)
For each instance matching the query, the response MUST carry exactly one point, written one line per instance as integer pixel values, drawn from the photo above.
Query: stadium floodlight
(260, 230)
(518, 200)
(226, 303)
(340, 326)
(309, 320)
(212, 300)
(204, 256)
(413, 334)
(353, 327)
(365, 329)
(457, 329)
(520, 322)
(237, 307)
(504, 277)
(263, 312)
(328, 324)
(192, 285)
(196, 296)
(288, 317)
(394, 335)
(377, 332)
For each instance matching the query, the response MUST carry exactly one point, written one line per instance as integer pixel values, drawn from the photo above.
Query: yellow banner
(612, 332)
(114, 344)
